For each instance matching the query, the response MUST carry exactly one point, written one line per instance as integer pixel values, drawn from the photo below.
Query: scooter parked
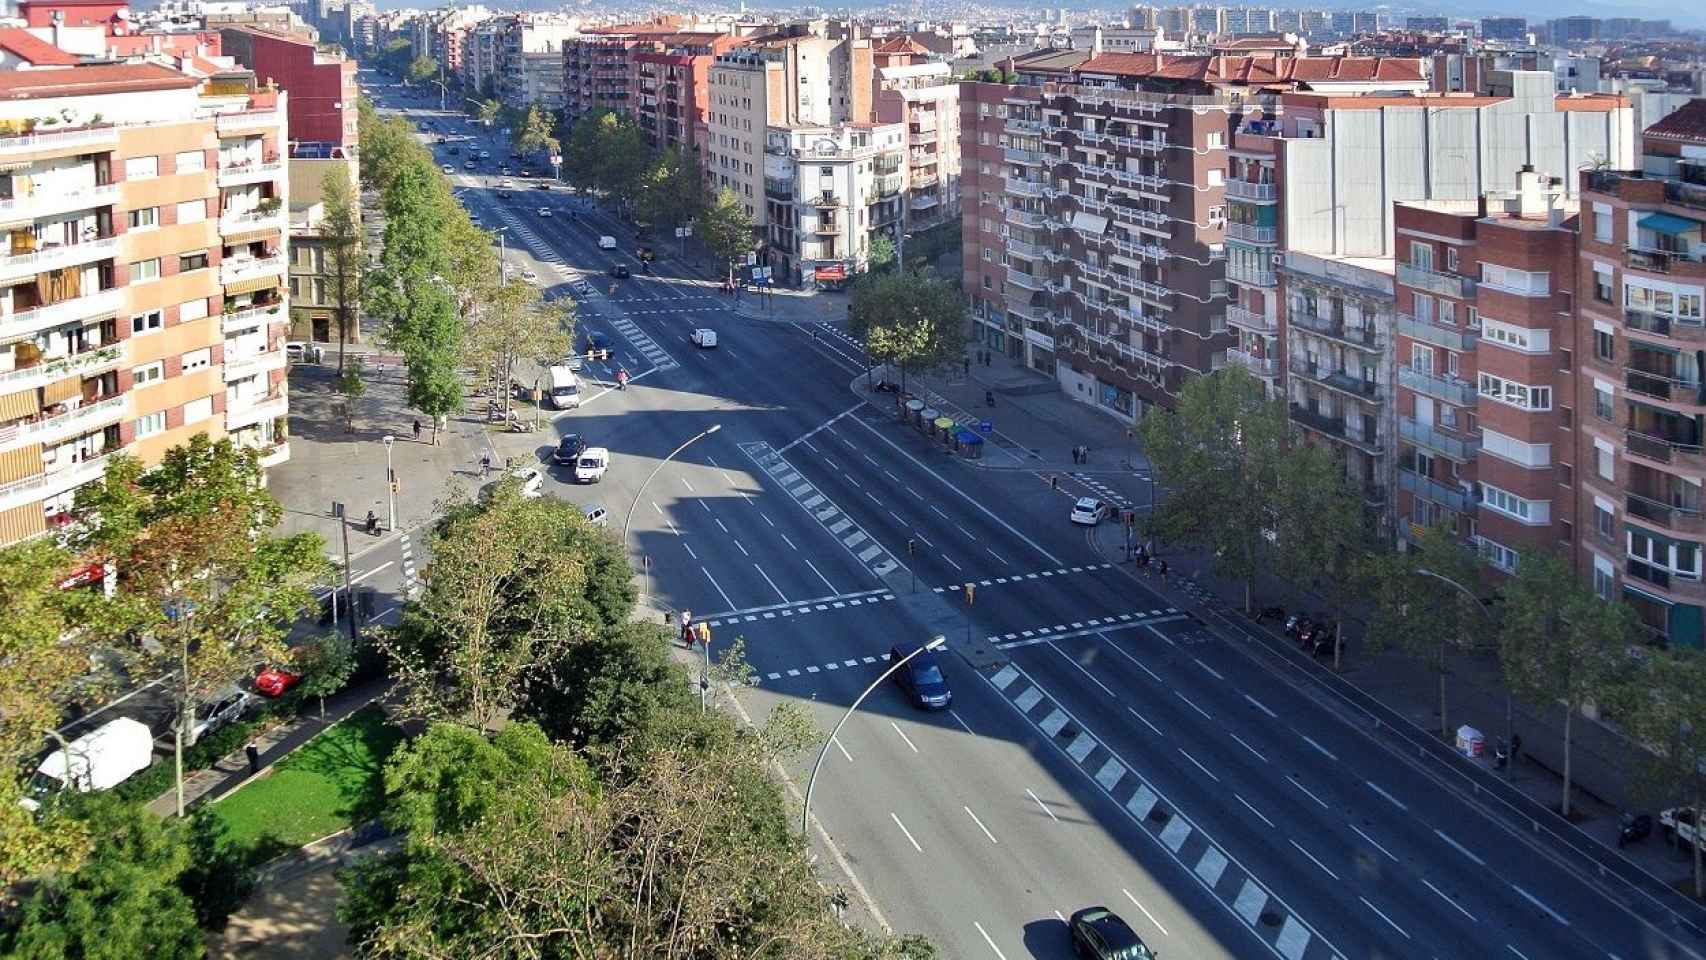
(1633, 828)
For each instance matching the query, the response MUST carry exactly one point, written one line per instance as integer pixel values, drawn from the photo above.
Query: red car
(274, 681)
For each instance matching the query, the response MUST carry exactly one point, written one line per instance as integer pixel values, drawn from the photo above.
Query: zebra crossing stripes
(1107, 493)
(654, 354)
(1084, 628)
(1268, 918)
(411, 582)
(860, 544)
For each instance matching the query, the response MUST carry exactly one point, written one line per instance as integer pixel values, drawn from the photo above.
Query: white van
(565, 389)
(98, 760)
(607, 242)
(592, 464)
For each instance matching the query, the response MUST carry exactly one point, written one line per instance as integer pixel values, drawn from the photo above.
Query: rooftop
(1239, 69)
(1687, 125)
(28, 47)
(97, 80)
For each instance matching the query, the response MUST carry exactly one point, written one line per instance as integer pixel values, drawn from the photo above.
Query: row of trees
(1243, 491)
(568, 796)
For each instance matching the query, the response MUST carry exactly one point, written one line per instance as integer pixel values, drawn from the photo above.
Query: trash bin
(1470, 742)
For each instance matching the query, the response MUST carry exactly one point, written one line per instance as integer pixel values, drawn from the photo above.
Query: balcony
(1457, 392)
(84, 364)
(97, 305)
(54, 428)
(1662, 449)
(1439, 284)
(253, 410)
(1364, 339)
(824, 201)
(51, 482)
(1250, 320)
(274, 455)
(1027, 157)
(1334, 428)
(263, 362)
(229, 123)
(58, 201)
(778, 188)
(1339, 381)
(888, 184)
(1656, 261)
(1265, 368)
(924, 181)
(1025, 188)
(1251, 233)
(1664, 325)
(1027, 218)
(1680, 519)
(922, 136)
(1029, 251)
(1452, 498)
(1246, 190)
(1448, 443)
(238, 174)
(1659, 386)
(1451, 338)
(19, 265)
(234, 223)
(1250, 276)
(1020, 278)
(1684, 586)
(888, 163)
(1022, 126)
(88, 140)
(827, 228)
(249, 268)
(250, 317)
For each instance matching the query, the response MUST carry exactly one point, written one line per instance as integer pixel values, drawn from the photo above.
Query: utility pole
(391, 482)
(349, 594)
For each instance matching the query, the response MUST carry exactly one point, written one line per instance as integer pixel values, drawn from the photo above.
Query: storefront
(830, 276)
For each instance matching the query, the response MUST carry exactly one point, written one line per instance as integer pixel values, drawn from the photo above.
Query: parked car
(568, 448)
(529, 276)
(921, 678)
(98, 760)
(1099, 934)
(596, 514)
(275, 681)
(593, 462)
(218, 711)
(448, 169)
(532, 481)
(619, 271)
(1089, 511)
(544, 211)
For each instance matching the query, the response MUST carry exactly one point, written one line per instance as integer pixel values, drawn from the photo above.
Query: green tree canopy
(911, 319)
(536, 131)
(340, 234)
(670, 191)
(514, 323)
(1322, 531)
(1659, 699)
(422, 68)
(617, 685)
(725, 229)
(605, 152)
(881, 253)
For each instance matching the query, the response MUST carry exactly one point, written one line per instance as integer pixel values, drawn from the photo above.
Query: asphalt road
(1112, 750)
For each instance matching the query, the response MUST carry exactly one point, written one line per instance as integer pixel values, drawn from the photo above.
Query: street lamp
(811, 781)
(713, 428)
(391, 481)
(1510, 763)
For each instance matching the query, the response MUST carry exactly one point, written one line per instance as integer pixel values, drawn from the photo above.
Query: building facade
(827, 189)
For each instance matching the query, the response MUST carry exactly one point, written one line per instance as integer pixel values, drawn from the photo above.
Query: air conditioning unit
(1277, 259)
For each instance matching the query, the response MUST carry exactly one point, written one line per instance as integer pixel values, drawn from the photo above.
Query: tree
(488, 110)
(535, 132)
(351, 387)
(1560, 643)
(725, 229)
(396, 55)
(670, 191)
(326, 667)
(473, 271)
(1660, 702)
(881, 253)
(605, 152)
(1218, 454)
(217, 879)
(123, 901)
(913, 320)
(340, 234)
(616, 685)
(422, 68)
(1424, 604)
(1321, 532)
(513, 583)
(47, 666)
(516, 323)
(205, 592)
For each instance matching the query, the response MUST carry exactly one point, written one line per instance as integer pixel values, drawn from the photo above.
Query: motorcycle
(1296, 624)
(1319, 640)
(1632, 828)
(884, 386)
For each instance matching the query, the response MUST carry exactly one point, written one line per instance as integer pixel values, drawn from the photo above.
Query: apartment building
(923, 96)
(826, 189)
(141, 295)
(1641, 277)
(530, 59)
(598, 65)
(322, 86)
(671, 88)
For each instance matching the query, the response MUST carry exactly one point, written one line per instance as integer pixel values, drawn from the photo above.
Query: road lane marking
(951, 563)
(1040, 803)
(1086, 673)
(1151, 916)
(1531, 898)
(1298, 784)
(744, 553)
(767, 518)
(719, 586)
(1145, 721)
(1383, 917)
(997, 557)
(897, 518)
(1258, 705)
(1460, 848)
(939, 512)
(918, 848)
(686, 546)
(1390, 798)
(1210, 670)
(838, 746)
(1253, 810)
(364, 576)
(1447, 899)
(999, 955)
(685, 482)
(814, 569)
(1193, 706)
(1312, 859)
(1324, 751)
(922, 540)
(1199, 765)
(980, 825)
(767, 579)
(1372, 841)
(903, 736)
(791, 544)
(1246, 746)
(951, 713)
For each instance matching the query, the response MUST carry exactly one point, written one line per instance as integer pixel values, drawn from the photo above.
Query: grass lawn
(333, 782)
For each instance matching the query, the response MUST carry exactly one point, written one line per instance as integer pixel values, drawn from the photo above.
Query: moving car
(1089, 511)
(467, 164)
(592, 464)
(619, 271)
(544, 211)
(569, 448)
(921, 678)
(448, 169)
(532, 481)
(505, 184)
(275, 681)
(596, 514)
(542, 185)
(607, 242)
(597, 342)
(1099, 934)
(98, 760)
(485, 154)
(565, 389)
(704, 337)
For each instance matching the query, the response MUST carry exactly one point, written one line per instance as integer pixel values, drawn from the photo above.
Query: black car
(1099, 933)
(619, 271)
(571, 446)
(597, 341)
(921, 677)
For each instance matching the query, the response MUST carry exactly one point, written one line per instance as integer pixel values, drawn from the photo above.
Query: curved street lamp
(811, 781)
(713, 428)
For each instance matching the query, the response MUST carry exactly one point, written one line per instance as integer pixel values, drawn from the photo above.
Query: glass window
(196, 359)
(1604, 521)
(1602, 222)
(151, 424)
(143, 270)
(1604, 344)
(1605, 461)
(148, 373)
(198, 410)
(192, 261)
(192, 309)
(192, 211)
(147, 322)
(141, 168)
(144, 218)
(190, 161)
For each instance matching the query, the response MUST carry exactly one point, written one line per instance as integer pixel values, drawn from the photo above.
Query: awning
(1667, 223)
(61, 390)
(21, 462)
(252, 285)
(16, 406)
(834, 271)
(1089, 223)
(22, 521)
(249, 236)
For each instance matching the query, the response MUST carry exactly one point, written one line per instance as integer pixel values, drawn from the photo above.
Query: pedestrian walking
(1142, 556)
(253, 752)
(417, 429)
(1084, 454)
(485, 464)
(986, 356)
(968, 366)
(1161, 568)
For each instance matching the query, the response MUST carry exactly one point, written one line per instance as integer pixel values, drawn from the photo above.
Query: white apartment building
(827, 188)
(925, 98)
(531, 66)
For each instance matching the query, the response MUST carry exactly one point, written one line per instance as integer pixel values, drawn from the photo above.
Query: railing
(924, 181)
(242, 413)
(1266, 368)
(244, 119)
(1685, 519)
(58, 201)
(57, 369)
(51, 481)
(249, 316)
(240, 367)
(1020, 278)
(236, 222)
(51, 428)
(1451, 498)
(1450, 389)
(1341, 380)
(888, 162)
(1686, 194)
(1657, 448)
(1248, 190)
(63, 255)
(1250, 232)
(1456, 446)
(1020, 125)
(248, 172)
(31, 142)
(779, 189)
(1025, 188)
(1017, 155)
(1026, 218)
(77, 308)
(1029, 251)
(1657, 261)
(1250, 320)
(1364, 338)
(1441, 284)
(1664, 325)
(1249, 275)
(1451, 338)
(1648, 383)
(233, 271)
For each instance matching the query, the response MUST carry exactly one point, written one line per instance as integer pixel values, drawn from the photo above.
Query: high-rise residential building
(1566, 30)
(671, 92)
(1208, 21)
(141, 297)
(1175, 22)
(1640, 286)
(1487, 354)
(924, 96)
(1510, 29)
(530, 68)
(599, 68)
(828, 188)
(1240, 21)
(1428, 24)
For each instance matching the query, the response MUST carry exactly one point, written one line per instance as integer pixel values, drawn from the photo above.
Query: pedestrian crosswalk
(800, 607)
(1106, 492)
(1017, 577)
(654, 354)
(859, 543)
(1085, 627)
(1267, 917)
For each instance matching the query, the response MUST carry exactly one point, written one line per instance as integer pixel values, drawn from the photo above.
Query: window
(148, 373)
(145, 218)
(1604, 342)
(143, 270)
(1422, 358)
(1421, 255)
(190, 161)
(1497, 555)
(1602, 401)
(1678, 557)
(1511, 505)
(1680, 302)
(141, 168)
(1215, 139)
(147, 322)
(192, 261)
(1511, 336)
(197, 359)
(1520, 282)
(1604, 579)
(1520, 395)
(1605, 459)
(192, 211)
(1602, 289)
(1424, 307)
(988, 254)
(151, 424)
(1604, 518)
(1602, 222)
(198, 410)
(1451, 258)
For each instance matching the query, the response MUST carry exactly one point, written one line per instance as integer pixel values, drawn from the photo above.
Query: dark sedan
(921, 678)
(571, 446)
(619, 271)
(1099, 934)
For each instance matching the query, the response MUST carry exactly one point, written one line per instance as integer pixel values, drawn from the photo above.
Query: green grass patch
(332, 783)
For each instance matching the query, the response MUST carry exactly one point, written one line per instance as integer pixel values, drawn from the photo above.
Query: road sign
(984, 426)
(681, 232)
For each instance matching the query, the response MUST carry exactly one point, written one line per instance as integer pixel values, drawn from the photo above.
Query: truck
(98, 760)
(1678, 824)
(565, 389)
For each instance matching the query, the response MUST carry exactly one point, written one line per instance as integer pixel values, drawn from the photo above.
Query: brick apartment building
(140, 284)
(671, 88)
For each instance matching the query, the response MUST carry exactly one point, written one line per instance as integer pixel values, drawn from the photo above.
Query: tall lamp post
(1510, 730)
(811, 781)
(713, 428)
(391, 482)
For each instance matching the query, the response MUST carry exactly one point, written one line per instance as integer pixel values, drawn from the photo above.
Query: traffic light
(911, 547)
